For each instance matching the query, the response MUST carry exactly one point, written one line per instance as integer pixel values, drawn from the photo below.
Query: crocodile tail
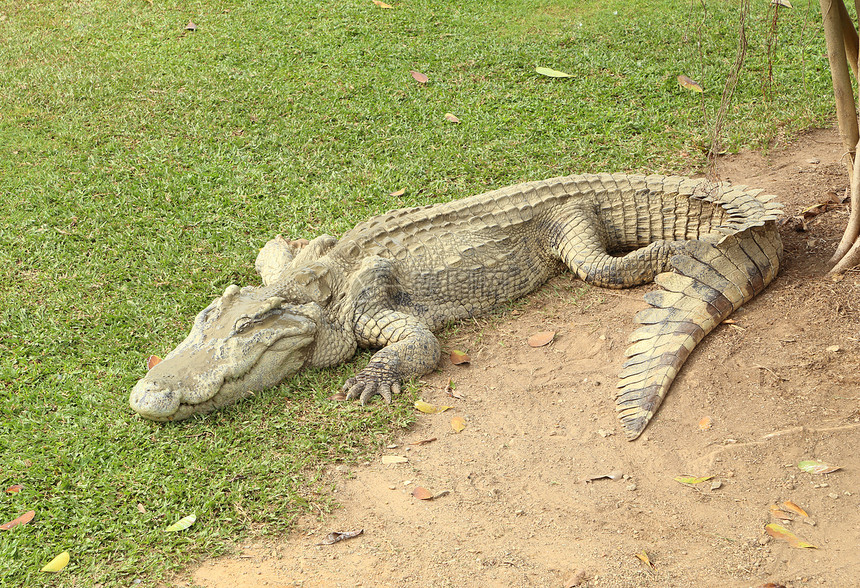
(709, 282)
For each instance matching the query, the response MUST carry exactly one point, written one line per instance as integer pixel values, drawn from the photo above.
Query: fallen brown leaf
(450, 391)
(705, 424)
(14, 489)
(382, 4)
(337, 536)
(541, 339)
(190, 26)
(780, 532)
(613, 475)
(424, 441)
(419, 77)
(794, 508)
(422, 493)
(389, 459)
(458, 357)
(458, 423)
(643, 557)
(780, 514)
(689, 84)
(575, 579)
(152, 361)
(22, 520)
(451, 118)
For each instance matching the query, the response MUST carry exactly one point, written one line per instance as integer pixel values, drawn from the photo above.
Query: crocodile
(393, 280)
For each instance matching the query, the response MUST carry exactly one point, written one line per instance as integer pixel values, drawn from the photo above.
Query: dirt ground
(780, 385)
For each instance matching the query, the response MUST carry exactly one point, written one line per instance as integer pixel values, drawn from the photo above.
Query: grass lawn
(143, 165)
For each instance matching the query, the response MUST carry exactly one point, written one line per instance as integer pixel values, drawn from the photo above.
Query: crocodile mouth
(158, 402)
(156, 397)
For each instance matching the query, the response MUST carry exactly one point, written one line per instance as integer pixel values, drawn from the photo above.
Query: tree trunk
(842, 43)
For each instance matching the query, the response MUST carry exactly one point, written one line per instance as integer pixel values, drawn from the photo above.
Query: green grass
(142, 166)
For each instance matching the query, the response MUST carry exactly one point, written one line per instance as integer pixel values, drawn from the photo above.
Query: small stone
(808, 521)
(631, 487)
(393, 487)
(833, 495)
(834, 349)
(763, 540)
(392, 446)
(813, 161)
(605, 433)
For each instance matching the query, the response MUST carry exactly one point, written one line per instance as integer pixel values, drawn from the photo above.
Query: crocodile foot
(376, 378)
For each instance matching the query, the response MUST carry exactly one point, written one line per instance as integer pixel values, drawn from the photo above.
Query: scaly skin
(395, 279)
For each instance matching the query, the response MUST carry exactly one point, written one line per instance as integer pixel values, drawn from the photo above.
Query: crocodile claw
(365, 386)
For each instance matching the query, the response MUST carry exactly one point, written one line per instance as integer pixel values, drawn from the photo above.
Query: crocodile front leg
(408, 349)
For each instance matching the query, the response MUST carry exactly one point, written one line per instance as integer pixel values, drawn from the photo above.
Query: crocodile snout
(152, 400)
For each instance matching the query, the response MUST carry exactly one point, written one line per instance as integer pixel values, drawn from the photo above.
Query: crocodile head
(245, 341)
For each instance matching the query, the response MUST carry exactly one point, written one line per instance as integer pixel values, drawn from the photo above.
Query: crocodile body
(393, 280)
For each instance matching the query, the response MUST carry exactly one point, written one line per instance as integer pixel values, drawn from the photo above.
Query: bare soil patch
(539, 420)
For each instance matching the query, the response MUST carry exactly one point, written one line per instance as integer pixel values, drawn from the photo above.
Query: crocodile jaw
(216, 366)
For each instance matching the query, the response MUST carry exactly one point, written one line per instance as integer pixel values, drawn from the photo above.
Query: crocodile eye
(242, 324)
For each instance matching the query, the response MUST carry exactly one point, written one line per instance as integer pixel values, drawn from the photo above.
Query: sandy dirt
(780, 385)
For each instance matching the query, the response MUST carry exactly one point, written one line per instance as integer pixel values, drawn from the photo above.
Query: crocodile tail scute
(709, 282)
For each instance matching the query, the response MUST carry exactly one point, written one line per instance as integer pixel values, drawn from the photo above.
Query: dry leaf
(422, 493)
(814, 466)
(716, 485)
(458, 423)
(152, 361)
(140, 508)
(689, 84)
(780, 514)
(400, 192)
(451, 118)
(58, 563)
(613, 475)
(419, 77)
(643, 557)
(575, 579)
(382, 4)
(780, 532)
(690, 480)
(794, 508)
(458, 357)
(428, 408)
(22, 520)
(450, 390)
(541, 339)
(182, 523)
(705, 424)
(336, 536)
(14, 489)
(551, 73)
(772, 585)
(387, 459)
(338, 397)
(424, 441)
(190, 26)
